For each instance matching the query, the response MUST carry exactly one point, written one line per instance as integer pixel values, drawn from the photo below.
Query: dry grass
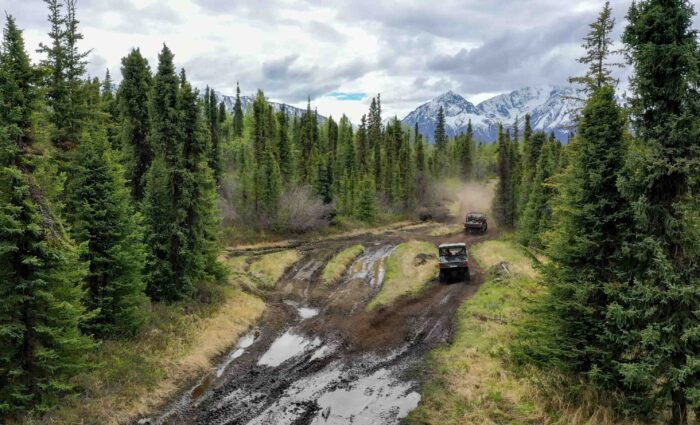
(469, 381)
(338, 264)
(269, 268)
(447, 230)
(131, 378)
(402, 276)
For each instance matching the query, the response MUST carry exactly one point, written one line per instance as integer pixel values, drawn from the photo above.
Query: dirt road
(318, 357)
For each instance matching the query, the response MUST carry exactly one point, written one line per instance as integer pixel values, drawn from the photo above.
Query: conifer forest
(170, 254)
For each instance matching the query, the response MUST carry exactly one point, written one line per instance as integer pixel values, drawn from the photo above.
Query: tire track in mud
(318, 357)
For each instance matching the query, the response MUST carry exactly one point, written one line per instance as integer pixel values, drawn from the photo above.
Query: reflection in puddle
(307, 312)
(285, 347)
(368, 399)
(244, 342)
(322, 352)
(304, 312)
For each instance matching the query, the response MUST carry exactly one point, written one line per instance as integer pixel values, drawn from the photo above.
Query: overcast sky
(340, 53)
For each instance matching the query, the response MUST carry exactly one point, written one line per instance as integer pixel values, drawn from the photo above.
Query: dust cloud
(472, 196)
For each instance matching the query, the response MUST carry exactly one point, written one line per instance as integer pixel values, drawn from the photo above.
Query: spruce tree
(440, 134)
(536, 218)
(598, 44)
(133, 101)
(104, 221)
(659, 314)
(284, 146)
(367, 201)
(110, 109)
(65, 65)
(466, 153)
(363, 151)
(41, 346)
(180, 204)
(420, 151)
(587, 252)
(211, 114)
(238, 114)
(502, 201)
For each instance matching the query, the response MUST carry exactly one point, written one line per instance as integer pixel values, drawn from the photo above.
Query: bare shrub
(301, 211)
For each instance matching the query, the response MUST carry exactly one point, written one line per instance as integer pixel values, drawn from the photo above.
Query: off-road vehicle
(476, 223)
(453, 261)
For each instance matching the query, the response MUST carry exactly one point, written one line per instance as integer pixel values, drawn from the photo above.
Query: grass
(338, 264)
(131, 378)
(268, 269)
(447, 230)
(471, 382)
(403, 276)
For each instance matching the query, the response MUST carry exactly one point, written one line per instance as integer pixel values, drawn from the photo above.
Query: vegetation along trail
(325, 352)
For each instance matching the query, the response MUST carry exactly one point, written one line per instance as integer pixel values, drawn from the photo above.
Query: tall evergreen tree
(212, 116)
(65, 65)
(587, 251)
(440, 134)
(181, 199)
(420, 151)
(659, 314)
(133, 101)
(466, 153)
(367, 201)
(598, 46)
(502, 201)
(284, 146)
(536, 218)
(41, 346)
(238, 114)
(110, 109)
(104, 220)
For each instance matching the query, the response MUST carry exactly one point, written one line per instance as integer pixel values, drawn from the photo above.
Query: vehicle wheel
(486, 227)
(467, 276)
(441, 276)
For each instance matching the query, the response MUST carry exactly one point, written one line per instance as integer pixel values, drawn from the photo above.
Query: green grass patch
(338, 264)
(473, 381)
(405, 276)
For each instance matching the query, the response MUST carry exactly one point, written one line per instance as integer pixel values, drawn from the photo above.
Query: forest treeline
(617, 212)
(112, 198)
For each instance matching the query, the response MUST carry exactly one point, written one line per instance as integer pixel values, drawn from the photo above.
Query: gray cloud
(422, 48)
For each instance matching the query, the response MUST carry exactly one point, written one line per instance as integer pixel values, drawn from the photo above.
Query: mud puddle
(318, 357)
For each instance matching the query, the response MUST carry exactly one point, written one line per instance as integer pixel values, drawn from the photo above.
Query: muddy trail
(318, 357)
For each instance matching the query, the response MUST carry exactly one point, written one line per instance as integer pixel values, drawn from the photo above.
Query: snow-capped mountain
(247, 101)
(550, 108)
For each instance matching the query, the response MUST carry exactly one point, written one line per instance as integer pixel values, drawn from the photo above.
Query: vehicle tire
(441, 276)
(466, 275)
(486, 227)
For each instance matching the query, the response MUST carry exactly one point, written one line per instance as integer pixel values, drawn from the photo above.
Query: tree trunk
(679, 408)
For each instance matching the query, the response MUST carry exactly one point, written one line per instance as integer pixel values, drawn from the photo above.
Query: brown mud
(317, 356)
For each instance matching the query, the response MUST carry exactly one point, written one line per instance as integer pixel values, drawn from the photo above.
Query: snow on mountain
(247, 101)
(550, 108)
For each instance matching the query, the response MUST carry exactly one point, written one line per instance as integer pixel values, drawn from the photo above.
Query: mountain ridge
(550, 107)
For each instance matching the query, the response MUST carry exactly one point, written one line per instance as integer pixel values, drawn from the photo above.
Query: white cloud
(409, 51)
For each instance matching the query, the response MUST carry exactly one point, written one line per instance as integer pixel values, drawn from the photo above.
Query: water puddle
(339, 394)
(373, 397)
(303, 312)
(244, 342)
(285, 347)
(371, 265)
(322, 352)
(307, 312)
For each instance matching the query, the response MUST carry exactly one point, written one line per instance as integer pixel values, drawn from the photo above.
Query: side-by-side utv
(475, 223)
(453, 262)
